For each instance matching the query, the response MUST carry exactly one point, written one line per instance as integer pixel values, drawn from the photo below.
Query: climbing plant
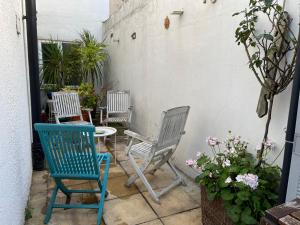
(271, 51)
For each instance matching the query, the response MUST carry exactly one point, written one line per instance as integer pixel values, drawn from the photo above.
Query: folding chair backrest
(69, 150)
(66, 104)
(172, 127)
(118, 101)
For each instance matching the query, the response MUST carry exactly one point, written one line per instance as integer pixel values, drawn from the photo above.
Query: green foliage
(87, 95)
(28, 214)
(80, 61)
(244, 201)
(92, 56)
(272, 49)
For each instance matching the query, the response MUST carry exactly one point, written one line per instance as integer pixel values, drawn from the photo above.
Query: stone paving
(123, 206)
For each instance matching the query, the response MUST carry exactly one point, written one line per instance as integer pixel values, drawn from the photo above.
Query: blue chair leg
(50, 205)
(102, 186)
(64, 190)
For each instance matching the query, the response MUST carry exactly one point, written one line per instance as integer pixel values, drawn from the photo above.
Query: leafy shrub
(232, 174)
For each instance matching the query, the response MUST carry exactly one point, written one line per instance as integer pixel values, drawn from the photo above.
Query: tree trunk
(262, 149)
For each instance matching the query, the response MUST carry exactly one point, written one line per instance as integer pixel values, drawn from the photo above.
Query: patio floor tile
(162, 178)
(123, 206)
(74, 217)
(177, 200)
(128, 210)
(192, 217)
(115, 171)
(154, 222)
(116, 187)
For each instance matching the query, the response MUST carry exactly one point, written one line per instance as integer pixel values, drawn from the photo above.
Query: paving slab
(175, 201)
(114, 171)
(74, 217)
(153, 222)
(116, 187)
(192, 217)
(128, 210)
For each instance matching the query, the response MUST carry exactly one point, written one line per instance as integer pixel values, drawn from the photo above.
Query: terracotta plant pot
(85, 115)
(213, 212)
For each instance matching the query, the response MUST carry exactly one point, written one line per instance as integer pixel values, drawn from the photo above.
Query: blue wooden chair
(71, 154)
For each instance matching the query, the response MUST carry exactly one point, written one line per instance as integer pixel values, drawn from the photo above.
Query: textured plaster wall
(15, 139)
(64, 20)
(196, 62)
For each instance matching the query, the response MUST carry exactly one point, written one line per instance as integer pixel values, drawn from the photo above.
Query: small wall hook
(133, 35)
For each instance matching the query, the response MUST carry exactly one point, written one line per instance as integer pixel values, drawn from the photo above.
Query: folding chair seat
(157, 152)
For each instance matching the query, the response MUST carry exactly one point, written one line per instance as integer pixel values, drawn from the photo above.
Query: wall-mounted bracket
(177, 12)
(212, 1)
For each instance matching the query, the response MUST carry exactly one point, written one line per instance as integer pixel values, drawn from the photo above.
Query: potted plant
(235, 189)
(92, 56)
(88, 98)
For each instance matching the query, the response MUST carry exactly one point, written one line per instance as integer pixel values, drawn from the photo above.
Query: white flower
(210, 174)
(236, 140)
(212, 141)
(198, 154)
(232, 150)
(228, 180)
(226, 163)
(249, 179)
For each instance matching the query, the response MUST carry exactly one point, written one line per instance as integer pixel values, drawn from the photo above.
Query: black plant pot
(49, 95)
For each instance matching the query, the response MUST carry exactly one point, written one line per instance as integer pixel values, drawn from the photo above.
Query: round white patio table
(105, 132)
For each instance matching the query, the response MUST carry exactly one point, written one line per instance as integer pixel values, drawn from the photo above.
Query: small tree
(271, 52)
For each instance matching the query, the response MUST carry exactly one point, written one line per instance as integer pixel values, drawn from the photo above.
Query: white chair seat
(78, 122)
(141, 150)
(116, 120)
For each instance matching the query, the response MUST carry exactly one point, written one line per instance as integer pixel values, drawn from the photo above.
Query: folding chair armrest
(139, 137)
(87, 109)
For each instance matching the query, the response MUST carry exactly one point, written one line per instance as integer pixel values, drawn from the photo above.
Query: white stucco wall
(15, 129)
(196, 62)
(64, 20)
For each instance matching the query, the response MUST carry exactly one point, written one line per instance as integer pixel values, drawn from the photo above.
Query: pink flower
(236, 140)
(190, 162)
(269, 144)
(249, 179)
(226, 163)
(212, 141)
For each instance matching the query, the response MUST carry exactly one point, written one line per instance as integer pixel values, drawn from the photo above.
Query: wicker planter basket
(213, 212)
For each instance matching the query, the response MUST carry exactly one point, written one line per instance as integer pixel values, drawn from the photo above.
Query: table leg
(115, 148)
(99, 145)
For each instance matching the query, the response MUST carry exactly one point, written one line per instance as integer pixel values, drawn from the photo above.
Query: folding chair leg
(50, 205)
(139, 173)
(176, 172)
(102, 186)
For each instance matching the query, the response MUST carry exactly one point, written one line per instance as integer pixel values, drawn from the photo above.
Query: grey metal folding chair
(118, 109)
(156, 153)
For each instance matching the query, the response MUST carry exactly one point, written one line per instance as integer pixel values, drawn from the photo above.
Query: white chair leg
(139, 173)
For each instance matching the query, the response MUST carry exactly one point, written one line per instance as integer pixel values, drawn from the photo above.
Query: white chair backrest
(118, 101)
(172, 127)
(66, 104)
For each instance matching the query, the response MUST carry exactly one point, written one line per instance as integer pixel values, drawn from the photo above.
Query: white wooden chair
(118, 109)
(66, 105)
(157, 152)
